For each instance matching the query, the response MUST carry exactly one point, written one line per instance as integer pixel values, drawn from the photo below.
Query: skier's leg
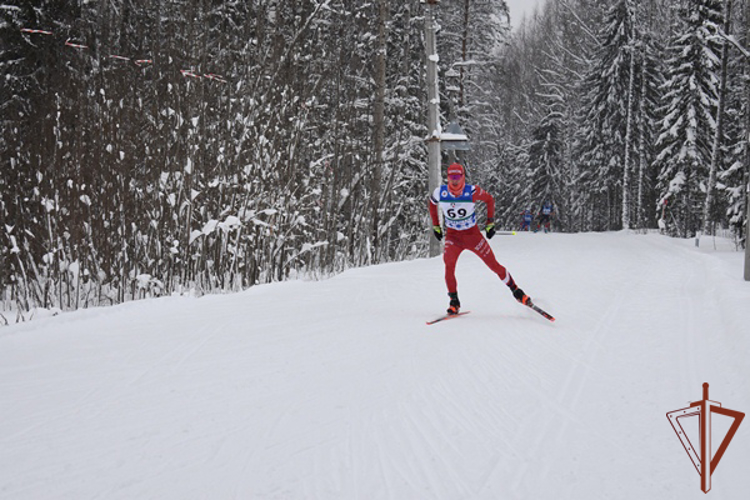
(450, 256)
(484, 251)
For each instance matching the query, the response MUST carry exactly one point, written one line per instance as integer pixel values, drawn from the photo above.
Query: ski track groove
(420, 429)
(191, 346)
(385, 480)
(564, 404)
(314, 406)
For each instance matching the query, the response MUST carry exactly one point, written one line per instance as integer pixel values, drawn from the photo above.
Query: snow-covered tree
(609, 105)
(688, 126)
(546, 174)
(710, 214)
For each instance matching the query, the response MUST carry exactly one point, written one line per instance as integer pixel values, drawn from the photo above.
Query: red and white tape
(75, 45)
(213, 76)
(191, 74)
(36, 32)
(138, 62)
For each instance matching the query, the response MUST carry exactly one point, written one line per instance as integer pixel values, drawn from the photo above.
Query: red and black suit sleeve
(434, 211)
(482, 195)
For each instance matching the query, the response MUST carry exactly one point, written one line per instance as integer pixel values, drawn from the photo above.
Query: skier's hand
(438, 232)
(490, 230)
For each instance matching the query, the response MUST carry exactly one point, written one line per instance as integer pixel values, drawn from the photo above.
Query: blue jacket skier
(545, 216)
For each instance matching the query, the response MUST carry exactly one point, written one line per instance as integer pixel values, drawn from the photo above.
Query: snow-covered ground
(338, 390)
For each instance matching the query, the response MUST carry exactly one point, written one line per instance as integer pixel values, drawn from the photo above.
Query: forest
(206, 146)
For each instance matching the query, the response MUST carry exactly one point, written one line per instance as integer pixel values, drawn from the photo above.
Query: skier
(526, 219)
(457, 201)
(545, 215)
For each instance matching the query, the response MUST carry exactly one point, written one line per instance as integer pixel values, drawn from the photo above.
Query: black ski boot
(455, 305)
(521, 297)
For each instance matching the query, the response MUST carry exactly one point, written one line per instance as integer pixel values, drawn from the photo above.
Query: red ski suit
(458, 240)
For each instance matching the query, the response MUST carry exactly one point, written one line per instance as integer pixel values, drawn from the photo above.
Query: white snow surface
(337, 389)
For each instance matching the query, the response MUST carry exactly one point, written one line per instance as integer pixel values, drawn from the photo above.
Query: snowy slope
(338, 390)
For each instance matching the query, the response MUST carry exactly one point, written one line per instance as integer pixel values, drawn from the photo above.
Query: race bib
(458, 211)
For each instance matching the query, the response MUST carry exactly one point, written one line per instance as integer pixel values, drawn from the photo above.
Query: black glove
(438, 232)
(490, 230)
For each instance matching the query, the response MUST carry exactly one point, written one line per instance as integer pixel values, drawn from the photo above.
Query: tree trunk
(639, 214)
(379, 125)
(747, 143)
(629, 126)
(719, 132)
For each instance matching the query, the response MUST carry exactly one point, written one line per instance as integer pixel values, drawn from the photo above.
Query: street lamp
(433, 108)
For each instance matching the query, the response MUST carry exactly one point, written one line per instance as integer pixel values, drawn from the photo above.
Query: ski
(541, 311)
(447, 316)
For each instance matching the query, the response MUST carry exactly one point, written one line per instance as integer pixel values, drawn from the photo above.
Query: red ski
(447, 316)
(540, 311)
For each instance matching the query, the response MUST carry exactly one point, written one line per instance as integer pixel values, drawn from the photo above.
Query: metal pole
(705, 423)
(433, 116)
(747, 231)
(747, 122)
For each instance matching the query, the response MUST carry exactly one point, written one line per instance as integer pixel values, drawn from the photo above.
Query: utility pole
(747, 230)
(433, 111)
(744, 51)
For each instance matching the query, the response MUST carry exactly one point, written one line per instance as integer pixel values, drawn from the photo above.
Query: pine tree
(547, 175)
(732, 175)
(608, 109)
(688, 124)
(649, 82)
(718, 140)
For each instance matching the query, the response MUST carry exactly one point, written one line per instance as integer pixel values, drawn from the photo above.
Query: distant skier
(526, 219)
(457, 201)
(545, 216)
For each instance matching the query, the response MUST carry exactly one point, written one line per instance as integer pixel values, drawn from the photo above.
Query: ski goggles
(455, 177)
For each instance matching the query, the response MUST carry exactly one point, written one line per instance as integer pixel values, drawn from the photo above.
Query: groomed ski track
(338, 390)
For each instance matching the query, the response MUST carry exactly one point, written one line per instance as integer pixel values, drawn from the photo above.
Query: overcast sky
(519, 8)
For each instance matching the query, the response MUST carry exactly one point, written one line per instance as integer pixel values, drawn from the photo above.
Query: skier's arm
(436, 229)
(482, 195)
(434, 210)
